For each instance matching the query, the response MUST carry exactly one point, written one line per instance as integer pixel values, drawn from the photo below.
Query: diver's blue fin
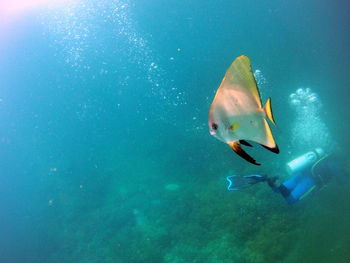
(238, 182)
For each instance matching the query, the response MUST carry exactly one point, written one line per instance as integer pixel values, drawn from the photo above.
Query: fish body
(236, 114)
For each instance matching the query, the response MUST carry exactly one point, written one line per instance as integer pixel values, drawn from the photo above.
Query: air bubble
(308, 129)
(295, 102)
(300, 92)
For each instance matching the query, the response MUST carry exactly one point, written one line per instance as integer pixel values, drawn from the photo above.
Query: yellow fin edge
(268, 111)
(270, 140)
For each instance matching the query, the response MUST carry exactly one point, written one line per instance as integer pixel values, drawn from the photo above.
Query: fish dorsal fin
(240, 76)
(235, 145)
(268, 111)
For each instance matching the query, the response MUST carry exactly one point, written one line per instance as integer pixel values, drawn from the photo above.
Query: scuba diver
(311, 170)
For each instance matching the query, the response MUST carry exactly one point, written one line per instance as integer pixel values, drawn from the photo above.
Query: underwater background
(105, 153)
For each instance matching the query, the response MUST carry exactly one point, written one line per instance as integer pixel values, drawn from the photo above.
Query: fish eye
(214, 126)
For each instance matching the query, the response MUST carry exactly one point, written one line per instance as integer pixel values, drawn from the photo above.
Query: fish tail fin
(268, 111)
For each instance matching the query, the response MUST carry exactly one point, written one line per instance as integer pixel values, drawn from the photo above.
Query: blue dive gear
(297, 187)
(304, 161)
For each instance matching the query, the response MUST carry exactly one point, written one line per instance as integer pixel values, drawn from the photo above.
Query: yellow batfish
(236, 113)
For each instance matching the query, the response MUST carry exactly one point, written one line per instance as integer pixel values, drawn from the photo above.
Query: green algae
(172, 187)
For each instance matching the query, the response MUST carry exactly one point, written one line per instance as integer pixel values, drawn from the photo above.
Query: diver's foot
(272, 181)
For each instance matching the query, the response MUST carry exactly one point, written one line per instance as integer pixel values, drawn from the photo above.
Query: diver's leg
(285, 192)
(277, 187)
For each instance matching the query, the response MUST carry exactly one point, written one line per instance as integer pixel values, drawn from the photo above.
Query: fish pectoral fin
(245, 143)
(234, 126)
(236, 146)
(274, 149)
(268, 111)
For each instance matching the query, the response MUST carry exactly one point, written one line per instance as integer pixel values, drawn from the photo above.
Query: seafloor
(155, 209)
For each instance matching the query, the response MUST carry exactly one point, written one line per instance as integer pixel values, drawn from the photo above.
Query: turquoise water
(104, 145)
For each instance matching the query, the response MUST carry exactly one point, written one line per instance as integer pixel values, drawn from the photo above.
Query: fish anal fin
(268, 141)
(268, 111)
(235, 145)
(274, 149)
(245, 143)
